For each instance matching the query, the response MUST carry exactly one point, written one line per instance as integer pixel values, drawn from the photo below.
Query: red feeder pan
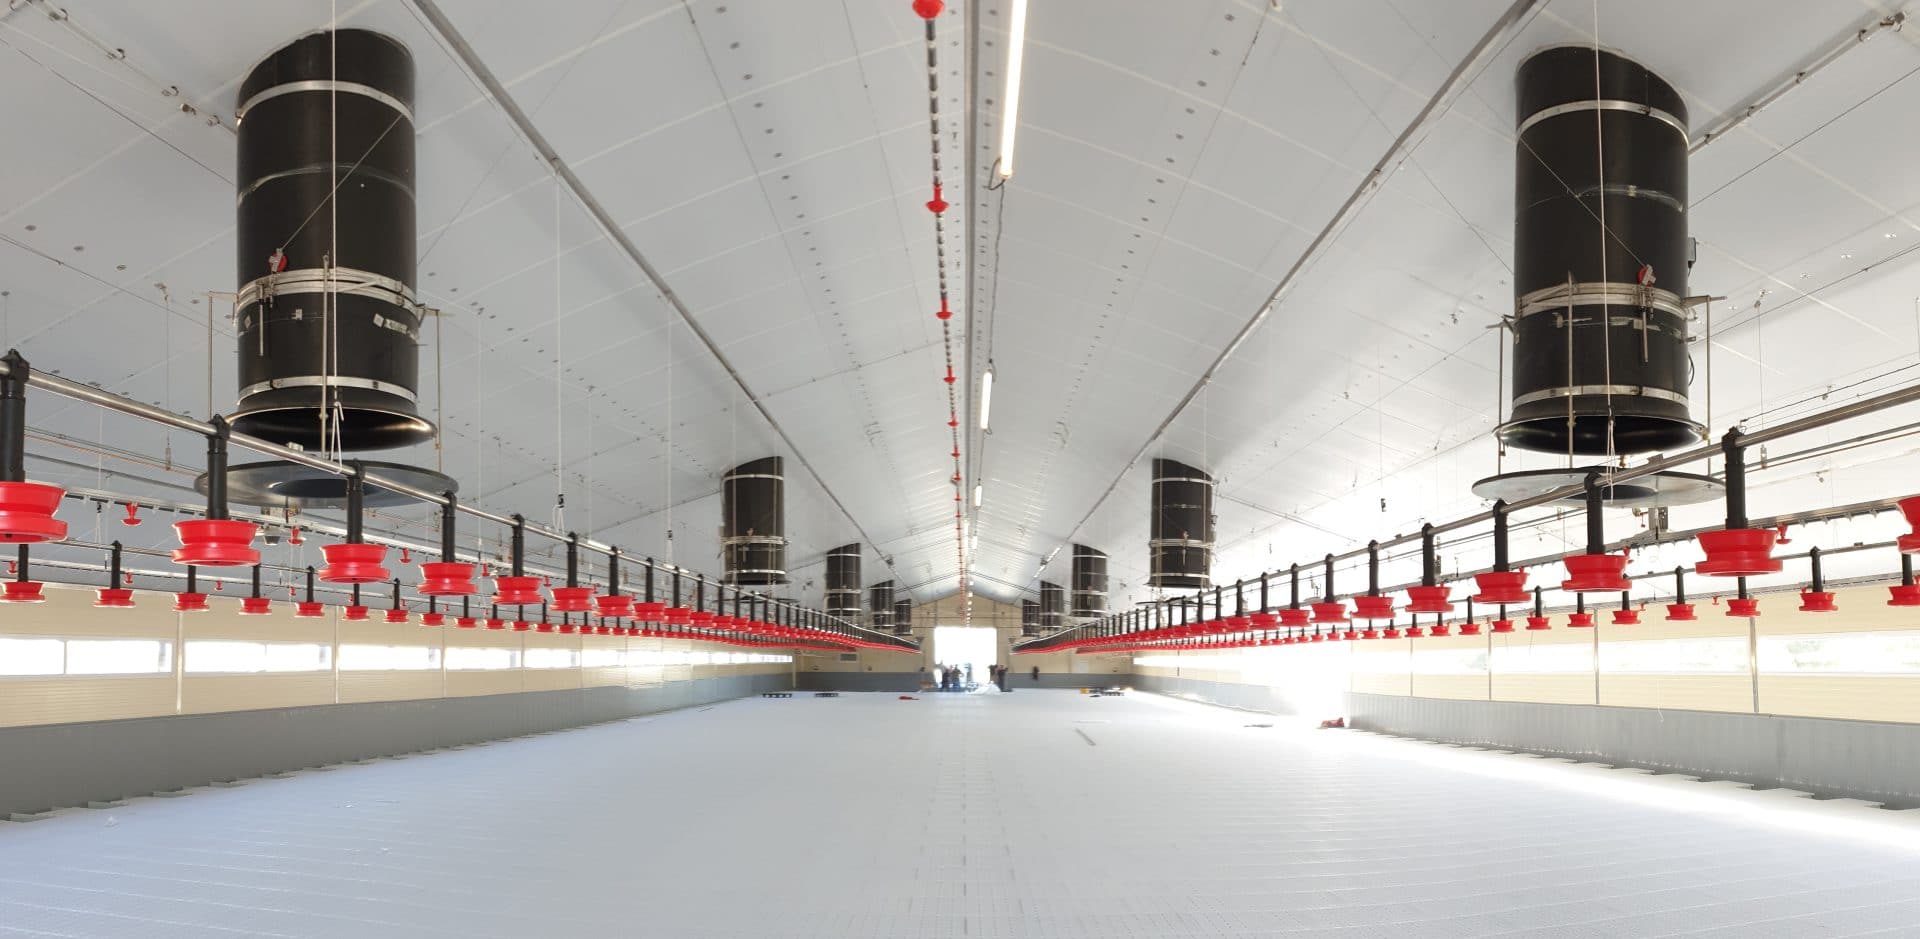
(1738, 552)
(1442, 629)
(521, 626)
(1349, 635)
(1429, 600)
(614, 606)
(1579, 620)
(1501, 587)
(1262, 621)
(255, 606)
(572, 599)
(604, 630)
(1595, 573)
(1415, 632)
(1290, 617)
(516, 591)
(565, 628)
(1391, 632)
(447, 579)
(677, 616)
(1739, 606)
(397, 615)
(928, 9)
(208, 542)
(649, 612)
(351, 563)
(1680, 613)
(309, 609)
(702, 618)
(26, 513)
(433, 619)
(1905, 595)
(1537, 623)
(1817, 602)
(118, 598)
(466, 622)
(1909, 544)
(25, 591)
(355, 613)
(1469, 629)
(1335, 612)
(1626, 617)
(186, 602)
(1372, 607)
(496, 623)
(1503, 626)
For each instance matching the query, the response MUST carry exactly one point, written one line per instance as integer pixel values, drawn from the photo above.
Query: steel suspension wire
(938, 206)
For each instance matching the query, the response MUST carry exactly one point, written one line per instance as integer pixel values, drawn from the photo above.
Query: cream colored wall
(1390, 667)
(69, 613)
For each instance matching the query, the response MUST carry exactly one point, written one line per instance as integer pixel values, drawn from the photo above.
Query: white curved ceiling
(770, 158)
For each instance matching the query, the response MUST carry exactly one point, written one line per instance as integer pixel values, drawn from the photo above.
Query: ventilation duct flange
(903, 616)
(1600, 362)
(753, 532)
(1029, 618)
(1053, 606)
(327, 319)
(1089, 582)
(843, 582)
(880, 601)
(1180, 552)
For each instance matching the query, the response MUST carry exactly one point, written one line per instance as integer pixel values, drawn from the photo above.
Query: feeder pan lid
(1660, 489)
(279, 484)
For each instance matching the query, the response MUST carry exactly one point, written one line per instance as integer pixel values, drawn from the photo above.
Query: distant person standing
(1036, 674)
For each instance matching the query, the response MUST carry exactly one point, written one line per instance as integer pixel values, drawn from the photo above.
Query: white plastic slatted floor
(1041, 814)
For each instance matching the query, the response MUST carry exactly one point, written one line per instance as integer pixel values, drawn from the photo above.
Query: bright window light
(464, 659)
(1719, 656)
(553, 658)
(366, 658)
(986, 410)
(1547, 658)
(977, 487)
(118, 656)
(1010, 121)
(32, 656)
(1450, 662)
(602, 658)
(212, 656)
(1880, 653)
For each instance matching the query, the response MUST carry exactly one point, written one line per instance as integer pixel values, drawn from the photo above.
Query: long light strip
(1010, 120)
(986, 398)
(976, 494)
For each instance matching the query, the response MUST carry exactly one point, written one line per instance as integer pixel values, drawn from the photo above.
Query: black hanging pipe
(13, 418)
(676, 588)
(573, 559)
(1743, 589)
(448, 512)
(1538, 608)
(1293, 575)
(1239, 598)
(309, 583)
(1679, 585)
(356, 587)
(700, 593)
(649, 580)
(1500, 562)
(113, 565)
(1596, 520)
(1625, 600)
(356, 502)
(217, 470)
(466, 611)
(1469, 608)
(1734, 480)
(1579, 603)
(1428, 574)
(1263, 593)
(20, 569)
(1906, 570)
(1373, 568)
(613, 572)
(1219, 603)
(256, 581)
(193, 582)
(1329, 577)
(1813, 558)
(519, 544)
(396, 593)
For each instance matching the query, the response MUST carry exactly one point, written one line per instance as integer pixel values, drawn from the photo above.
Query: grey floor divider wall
(909, 682)
(58, 765)
(1879, 762)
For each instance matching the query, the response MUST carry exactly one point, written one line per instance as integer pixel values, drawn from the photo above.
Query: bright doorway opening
(965, 646)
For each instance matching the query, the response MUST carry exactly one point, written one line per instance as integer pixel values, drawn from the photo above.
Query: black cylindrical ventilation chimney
(843, 582)
(1600, 258)
(880, 600)
(903, 615)
(326, 311)
(1181, 549)
(1053, 606)
(1089, 582)
(1029, 618)
(753, 532)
